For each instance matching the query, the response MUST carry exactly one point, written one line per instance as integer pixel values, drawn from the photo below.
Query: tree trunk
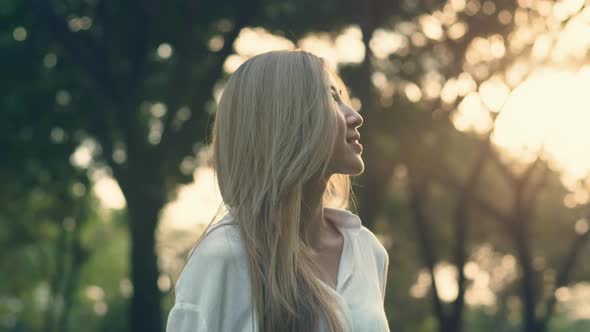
(378, 164)
(79, 256)
(145, 309)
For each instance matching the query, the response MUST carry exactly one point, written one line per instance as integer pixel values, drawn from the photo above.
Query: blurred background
(476, 139)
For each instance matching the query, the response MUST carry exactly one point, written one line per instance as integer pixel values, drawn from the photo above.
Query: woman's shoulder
(218, 256)
(220, 243)
(214, 284)
(372, 242)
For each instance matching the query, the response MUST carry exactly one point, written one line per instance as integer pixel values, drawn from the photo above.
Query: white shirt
(213, 291)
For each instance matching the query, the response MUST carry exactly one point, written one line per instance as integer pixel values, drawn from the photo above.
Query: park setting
(476, 136)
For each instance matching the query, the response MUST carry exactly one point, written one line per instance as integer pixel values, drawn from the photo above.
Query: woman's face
(347, 152)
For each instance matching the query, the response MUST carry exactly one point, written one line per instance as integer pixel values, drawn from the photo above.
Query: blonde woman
(288, 255)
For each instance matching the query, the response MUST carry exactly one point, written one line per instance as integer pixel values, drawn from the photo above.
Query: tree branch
(84, 50)
(176, 145)
(563, 276)
(92, 58)
(417, 195)
(451, 181)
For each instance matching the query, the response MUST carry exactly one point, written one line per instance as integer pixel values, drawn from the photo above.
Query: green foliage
(89, 71)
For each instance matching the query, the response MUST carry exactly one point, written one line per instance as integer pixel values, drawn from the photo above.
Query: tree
(45, 199)
(438, 49)
(141, 77)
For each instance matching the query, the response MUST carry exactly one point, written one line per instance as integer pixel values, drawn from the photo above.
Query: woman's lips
(356, 145)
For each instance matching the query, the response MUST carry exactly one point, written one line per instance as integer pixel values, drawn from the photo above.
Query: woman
(287, 256)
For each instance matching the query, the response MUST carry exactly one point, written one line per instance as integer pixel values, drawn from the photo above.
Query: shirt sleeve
(212, 292)
(385, 271)
(381, 259)
(185, 317)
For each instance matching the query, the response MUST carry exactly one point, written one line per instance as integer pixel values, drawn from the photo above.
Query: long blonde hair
(273, 135)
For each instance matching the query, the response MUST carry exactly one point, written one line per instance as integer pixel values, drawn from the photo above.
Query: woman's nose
(354, 119)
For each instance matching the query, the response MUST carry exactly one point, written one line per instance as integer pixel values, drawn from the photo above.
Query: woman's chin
(352, 165)
(356, 167)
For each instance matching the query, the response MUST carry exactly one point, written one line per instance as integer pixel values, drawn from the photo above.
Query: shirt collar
(344, 219)
(349, 225)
